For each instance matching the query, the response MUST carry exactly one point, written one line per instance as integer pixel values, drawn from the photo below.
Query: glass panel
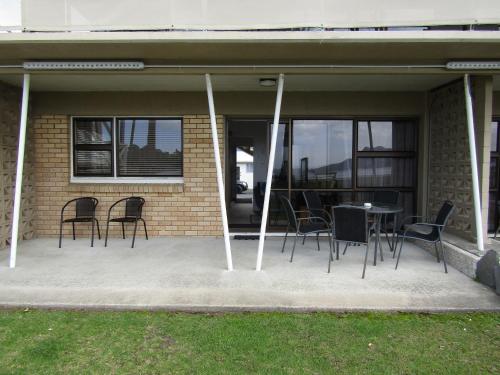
(492, 212)
(494, 136)
(386, 172)
(322, 154)
(93, 163)
(386, 135)
(277, 215)
(280, 170)
(150, 147)
(493, 173)
(92, 131)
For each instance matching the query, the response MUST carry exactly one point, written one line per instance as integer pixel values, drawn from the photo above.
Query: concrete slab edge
(240, 309)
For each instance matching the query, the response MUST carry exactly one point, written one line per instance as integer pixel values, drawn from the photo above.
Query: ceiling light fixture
(267, 82)
(83, 65)
(473, 65)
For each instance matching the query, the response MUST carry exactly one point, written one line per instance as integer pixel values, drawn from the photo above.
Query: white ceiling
(143, 82)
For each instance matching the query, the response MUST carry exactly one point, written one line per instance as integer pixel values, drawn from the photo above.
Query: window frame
(115, 178)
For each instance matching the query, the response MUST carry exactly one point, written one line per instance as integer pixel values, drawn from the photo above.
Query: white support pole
(272, 152)
(19, 171)
(218, 167)
(473, 161)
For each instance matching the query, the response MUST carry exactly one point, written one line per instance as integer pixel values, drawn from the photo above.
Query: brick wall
(10, 99)
(191, 208)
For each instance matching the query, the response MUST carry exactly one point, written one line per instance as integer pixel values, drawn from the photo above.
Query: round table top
(377, 208)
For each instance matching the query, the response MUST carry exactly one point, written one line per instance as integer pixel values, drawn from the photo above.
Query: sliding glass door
(344, 160)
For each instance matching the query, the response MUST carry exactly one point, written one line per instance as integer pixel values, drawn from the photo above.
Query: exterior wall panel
(9, 124)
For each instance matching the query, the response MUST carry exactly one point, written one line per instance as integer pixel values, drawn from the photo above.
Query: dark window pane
(494, 136)
(322, 154)
(280, 170)
(492, 212)
(93, 163)
(386, 135)
(92, 131)
(386, 172)
(150, 147)
(493, 173)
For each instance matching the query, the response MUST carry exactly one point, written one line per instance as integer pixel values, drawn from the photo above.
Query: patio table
(378, 210)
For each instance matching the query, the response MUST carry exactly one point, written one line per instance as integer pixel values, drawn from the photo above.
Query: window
(93, 147)
(123, 148)
(493, 218)
(346, 160)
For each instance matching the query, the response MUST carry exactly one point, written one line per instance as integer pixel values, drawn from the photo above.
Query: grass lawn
(77, 342)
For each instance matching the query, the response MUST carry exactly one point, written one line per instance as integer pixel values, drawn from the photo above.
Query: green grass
(69, 342)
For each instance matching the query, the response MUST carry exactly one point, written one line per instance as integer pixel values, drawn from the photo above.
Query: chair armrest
(114, 204)
(300, 219)
(429, 224)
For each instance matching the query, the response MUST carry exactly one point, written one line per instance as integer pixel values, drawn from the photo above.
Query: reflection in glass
(92, 131)
(322, 154)
(386, 136)
(150, 147)
(280, 170)
(406, 200)
(277, 215)
(93, 163)
(385, 172)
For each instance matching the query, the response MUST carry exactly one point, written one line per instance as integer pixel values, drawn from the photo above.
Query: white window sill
(127, 180)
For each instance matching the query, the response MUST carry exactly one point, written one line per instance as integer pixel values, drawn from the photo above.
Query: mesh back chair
(84, 213)
(315, 207)
(433, 234)
(387, 220)
(133, 214)
(350, 225)
(303, 225)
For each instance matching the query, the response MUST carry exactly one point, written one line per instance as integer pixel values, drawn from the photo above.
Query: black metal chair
(303, 225)
(133, 214)
(433, 233)
(315, 207)
(350, 225)
(84, 213)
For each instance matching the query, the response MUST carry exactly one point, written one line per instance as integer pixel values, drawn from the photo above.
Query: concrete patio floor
(189, 274)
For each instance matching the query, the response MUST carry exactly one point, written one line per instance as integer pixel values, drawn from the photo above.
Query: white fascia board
(252, 37)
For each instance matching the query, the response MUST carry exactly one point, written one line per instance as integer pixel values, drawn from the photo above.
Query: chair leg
(395, 247)
(284, 240)
(345, 248)
(293, 249)
(92, 238)
(60, 233)
(135, 231)
(437, 252)
(400, 250)
(496, 231)
(73, 226)
(98, 229)
(317, 240)
(145, 230)
(442, 255)
(304, 240)
(337, 250)
(366, 259)
(107, 230)
(123, 230)
(330, 258)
